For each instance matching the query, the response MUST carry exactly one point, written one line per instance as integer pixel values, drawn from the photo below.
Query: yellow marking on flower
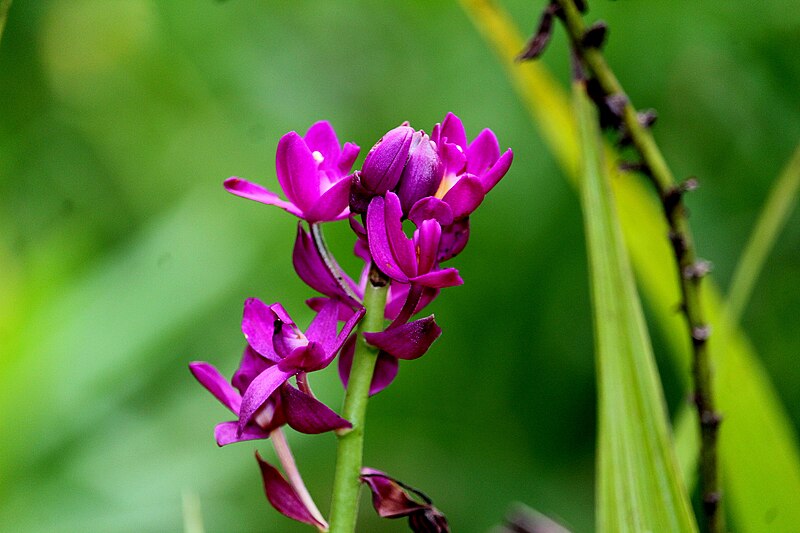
(447, 183)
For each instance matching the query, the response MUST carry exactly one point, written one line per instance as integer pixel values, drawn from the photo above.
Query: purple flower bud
(422, 173)
(385, 162)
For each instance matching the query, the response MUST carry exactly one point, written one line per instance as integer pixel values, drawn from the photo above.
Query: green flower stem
(344, 506)
(690, 269)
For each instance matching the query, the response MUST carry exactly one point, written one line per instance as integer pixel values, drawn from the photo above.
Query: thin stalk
(690, 270)
(4, 7)
(344, 506)
(776, 211)
(286, 458)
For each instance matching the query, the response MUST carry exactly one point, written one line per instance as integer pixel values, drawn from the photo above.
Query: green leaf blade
(639, 485)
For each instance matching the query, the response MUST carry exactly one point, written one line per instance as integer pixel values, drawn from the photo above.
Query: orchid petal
(453, 130)
(332, 204)
(386, 367)
(210, 378)
(297, 171)
(282, 314)
(345, 311)
(323, 328)
(465, 196)
(251, 365)
(258, 327)
(378, 241)
(454, 240)
(408, 341)
(436, 134)
(402, 247)
(282, 495)
(482, 153)
(227, 433)
(439, 279)
(385, 161)
(307, 358)
(453, 157)
(347, 158)
(398, 293)
(431, 207)
(498, 170)
(422, 173)
(428, 237)
(311, 268)
(321, 138)
(259, 391)
(348, 327)
(252, 191)
(306, 414)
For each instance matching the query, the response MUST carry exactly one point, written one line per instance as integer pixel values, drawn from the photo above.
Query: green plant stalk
(776, 211)
(688, 266)
(4, 6)
(344, 506)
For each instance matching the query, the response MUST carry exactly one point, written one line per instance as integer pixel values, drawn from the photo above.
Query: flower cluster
(434, 180)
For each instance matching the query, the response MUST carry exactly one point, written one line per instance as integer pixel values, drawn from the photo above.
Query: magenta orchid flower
(287, 405)
(272, 333)
(402, 259)
(313, 173)
(471, 169)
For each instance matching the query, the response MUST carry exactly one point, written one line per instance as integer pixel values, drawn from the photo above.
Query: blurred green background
(122, 258)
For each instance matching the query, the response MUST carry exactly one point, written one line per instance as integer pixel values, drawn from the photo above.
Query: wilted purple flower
(273, 334)
(284, 497)
(392, 499)
(406, 260)
(313, 173)
(471, 169)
